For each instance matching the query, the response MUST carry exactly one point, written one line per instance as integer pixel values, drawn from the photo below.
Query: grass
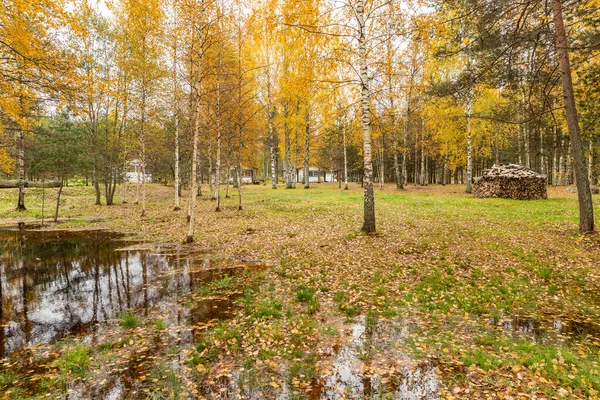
(165, 383)
(75, 360)
(454, 268)
(268, 308)
(129, 319)
(225, 282)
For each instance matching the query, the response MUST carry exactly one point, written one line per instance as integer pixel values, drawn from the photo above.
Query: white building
(316, 175)
(134, 173)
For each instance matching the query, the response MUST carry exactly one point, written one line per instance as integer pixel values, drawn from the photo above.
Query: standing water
(59, 283)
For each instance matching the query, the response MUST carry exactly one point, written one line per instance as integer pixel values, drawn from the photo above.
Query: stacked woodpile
(510, 181)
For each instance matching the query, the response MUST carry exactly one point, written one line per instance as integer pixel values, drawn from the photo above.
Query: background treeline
(270, 85)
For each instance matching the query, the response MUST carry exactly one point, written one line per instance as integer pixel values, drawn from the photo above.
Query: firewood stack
(510, 181)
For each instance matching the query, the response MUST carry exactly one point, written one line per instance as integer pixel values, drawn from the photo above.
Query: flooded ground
(80, 287)
(62, 285)
(372, 362)
(57, 283)
(92, 314)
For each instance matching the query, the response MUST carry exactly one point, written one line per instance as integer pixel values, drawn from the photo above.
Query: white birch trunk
(469, 186)
(192, 203)
(345, 157)
(369, 196)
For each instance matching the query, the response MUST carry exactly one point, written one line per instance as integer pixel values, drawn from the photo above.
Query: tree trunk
(57, 203)
(568, 166)
(21, 183)
(591, 161)
(192, 203)
(218, 159)
(345, 157)
(288, 148)
(382, 163)
(227, 196)
(542, 158)
(137, 185)
(369, 196)
(423, 176)
(211, 174)
(296, 135)
(404, 178)
(555, 165)
(239, 177)
(143, 149)
(307, 149)
(584, 194)
(469, 187)
(198, 177)
(273, 148)
(562, 164)
(176, 120)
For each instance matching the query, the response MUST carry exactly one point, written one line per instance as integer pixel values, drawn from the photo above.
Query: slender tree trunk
(445, 169)
(57, 202)
(345, 157)
(591, 161)
(469, 187)
(416, 171)
(288, 148)
(519, 134)
(296, 136)
(143, 165)
(137, 184)
(307, 149)
(382, 168)
(239, 174)
(369, 196)
(95, 179)
(569, 166)
(404, 178)
(211, 173)
(423, 178)
(176, 119)
(555, 165)
(525, 131)
(44, 200)
(218, 159)
(562, 164)
(272, 149)
(21, 183)
(227, 196)
(198, 177)
(542, 158)
(584, 194)
(193, 197)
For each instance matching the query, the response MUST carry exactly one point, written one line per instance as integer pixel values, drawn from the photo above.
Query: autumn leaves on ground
(454, 297)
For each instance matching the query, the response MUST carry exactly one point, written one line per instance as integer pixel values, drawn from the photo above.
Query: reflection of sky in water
(348, 378)
(74, 281)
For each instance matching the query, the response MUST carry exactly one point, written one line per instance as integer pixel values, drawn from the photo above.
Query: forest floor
(454, 297)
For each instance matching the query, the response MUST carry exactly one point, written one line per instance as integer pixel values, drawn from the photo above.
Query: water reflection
(563, 328)
(54, 283)
(358, 372)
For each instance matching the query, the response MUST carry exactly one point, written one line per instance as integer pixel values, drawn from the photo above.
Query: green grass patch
(75, 360)
(129, 319)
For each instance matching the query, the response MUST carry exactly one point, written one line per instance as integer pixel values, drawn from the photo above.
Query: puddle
(560, 328)
(372, 363)
(59, 283)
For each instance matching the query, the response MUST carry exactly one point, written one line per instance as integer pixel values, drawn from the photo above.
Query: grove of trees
(196, 92)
